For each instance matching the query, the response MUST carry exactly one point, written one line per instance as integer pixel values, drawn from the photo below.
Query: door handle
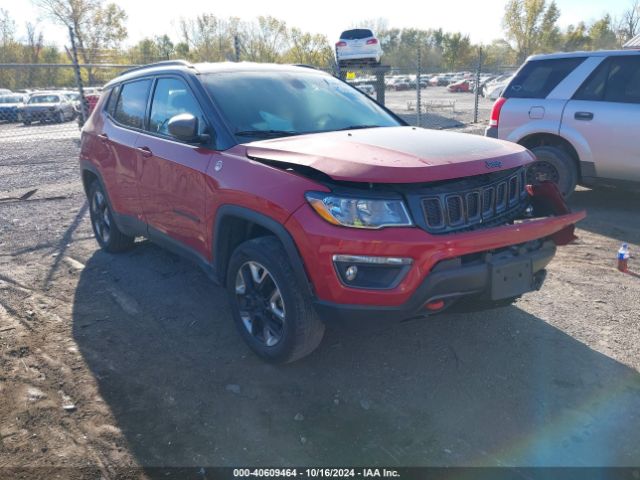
(145, 151)
(103, 137)
(583, 116)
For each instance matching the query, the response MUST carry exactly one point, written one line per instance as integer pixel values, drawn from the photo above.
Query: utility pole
(76, 68)
(236, 46)
(418, 91)
(477, 89)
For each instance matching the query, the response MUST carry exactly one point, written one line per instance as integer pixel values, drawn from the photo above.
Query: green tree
(531, 26)
(265, 40)
(577, 37)
(497, 54)
(208, 37)
(457, 52)
(602, 34)
(145, 51)
(308, 49)
(165, 47)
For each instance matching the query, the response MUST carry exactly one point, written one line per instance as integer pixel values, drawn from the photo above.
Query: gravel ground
(440, 108)
(115, 362)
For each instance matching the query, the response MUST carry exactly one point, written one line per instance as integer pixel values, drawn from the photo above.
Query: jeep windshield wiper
(266, 133)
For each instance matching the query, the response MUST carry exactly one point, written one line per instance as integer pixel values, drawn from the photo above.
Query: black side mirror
(184, 127)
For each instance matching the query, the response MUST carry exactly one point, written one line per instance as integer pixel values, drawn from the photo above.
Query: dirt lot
(112, 362)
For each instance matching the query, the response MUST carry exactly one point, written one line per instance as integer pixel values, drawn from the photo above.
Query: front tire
(274, 316)
(556, 165)
(107, 233)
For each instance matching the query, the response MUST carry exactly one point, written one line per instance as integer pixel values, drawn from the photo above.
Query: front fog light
(378, 273)
(351, 273)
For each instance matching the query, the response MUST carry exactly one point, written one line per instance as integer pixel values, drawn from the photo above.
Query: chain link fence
(460, 99)
(436, 100)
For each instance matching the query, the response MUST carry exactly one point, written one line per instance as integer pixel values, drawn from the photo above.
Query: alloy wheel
(260, 303)
(100, 216)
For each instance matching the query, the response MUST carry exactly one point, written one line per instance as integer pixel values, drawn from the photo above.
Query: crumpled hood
(393, 154)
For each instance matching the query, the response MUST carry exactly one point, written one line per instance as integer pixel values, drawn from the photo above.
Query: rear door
(172, 175)
(605, 114)
(125, 113)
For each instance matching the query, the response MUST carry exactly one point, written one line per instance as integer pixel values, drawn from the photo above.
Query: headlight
(359, 212)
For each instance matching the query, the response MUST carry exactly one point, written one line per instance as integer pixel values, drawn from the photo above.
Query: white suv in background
(579, 113)
(358, 45)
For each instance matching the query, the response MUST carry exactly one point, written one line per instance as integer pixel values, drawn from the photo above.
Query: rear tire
(107, 233)
(556, 165)
(273, 314)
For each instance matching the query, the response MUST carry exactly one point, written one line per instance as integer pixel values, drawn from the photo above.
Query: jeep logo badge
(493, 163)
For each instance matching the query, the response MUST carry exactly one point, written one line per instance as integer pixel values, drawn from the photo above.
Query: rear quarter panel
(521, 117)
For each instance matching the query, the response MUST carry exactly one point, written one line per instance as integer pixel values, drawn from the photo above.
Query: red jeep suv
(309, 201)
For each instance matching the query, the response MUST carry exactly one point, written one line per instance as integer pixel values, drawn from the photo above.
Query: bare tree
(97, 26)
(629, 24)
(265, 39)
(377, 25)
(7, 28)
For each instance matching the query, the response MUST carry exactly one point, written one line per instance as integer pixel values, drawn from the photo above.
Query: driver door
(172, 173)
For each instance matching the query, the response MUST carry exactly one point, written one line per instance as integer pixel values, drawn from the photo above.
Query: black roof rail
(304, 65)
(164, 63)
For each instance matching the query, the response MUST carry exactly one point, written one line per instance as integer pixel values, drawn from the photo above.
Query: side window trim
(147, 114)
(147, 118)
(120, 88)
(114, 92)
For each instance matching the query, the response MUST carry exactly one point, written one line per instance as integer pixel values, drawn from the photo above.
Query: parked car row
(490, 85)
(55, 106)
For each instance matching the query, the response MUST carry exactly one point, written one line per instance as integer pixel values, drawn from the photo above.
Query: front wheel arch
(235, 224)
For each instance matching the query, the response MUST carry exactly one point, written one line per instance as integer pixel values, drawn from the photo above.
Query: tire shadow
(489, 389)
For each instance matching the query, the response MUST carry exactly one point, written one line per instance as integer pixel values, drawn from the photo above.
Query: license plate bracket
(510, 279)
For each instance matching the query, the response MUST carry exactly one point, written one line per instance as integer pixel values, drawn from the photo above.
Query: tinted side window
(132, 103)
(172, 97)
(110, 106)
(594, 86)
(617, 79)
(623, 84)
(539, 77)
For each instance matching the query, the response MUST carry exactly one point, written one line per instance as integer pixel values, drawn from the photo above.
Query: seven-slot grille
(491, 203)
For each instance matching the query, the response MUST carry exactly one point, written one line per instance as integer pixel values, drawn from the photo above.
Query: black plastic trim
(275, 227)
(448, 280)
(132, 226)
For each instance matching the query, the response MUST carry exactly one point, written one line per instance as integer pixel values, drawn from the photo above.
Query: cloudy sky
(481, 19)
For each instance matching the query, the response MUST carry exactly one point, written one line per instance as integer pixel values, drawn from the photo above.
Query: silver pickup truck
(579, 113)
